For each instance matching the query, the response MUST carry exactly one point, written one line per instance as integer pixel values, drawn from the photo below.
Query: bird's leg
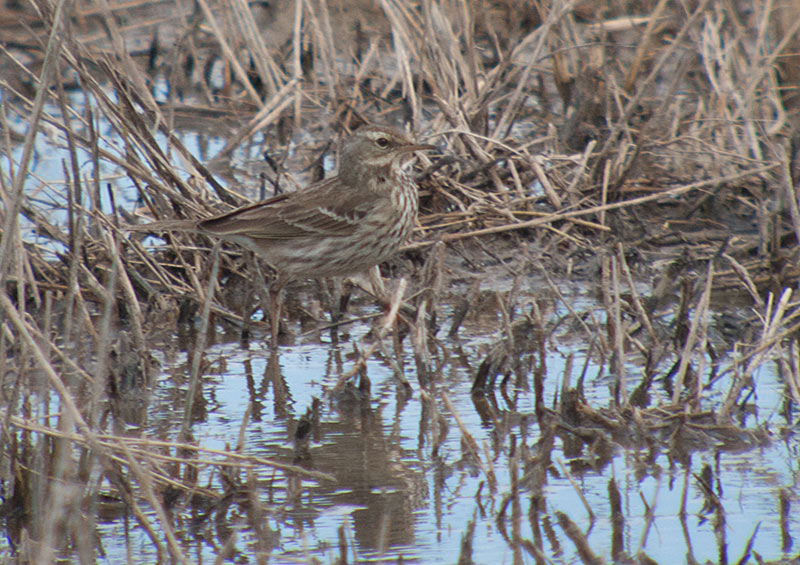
(374, 285)
(275, 306)
(344, 290)
(378, 288)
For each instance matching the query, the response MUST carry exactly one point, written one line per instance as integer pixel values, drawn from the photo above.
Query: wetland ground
(595, 351)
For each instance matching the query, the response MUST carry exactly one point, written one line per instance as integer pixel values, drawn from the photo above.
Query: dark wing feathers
(323, 210)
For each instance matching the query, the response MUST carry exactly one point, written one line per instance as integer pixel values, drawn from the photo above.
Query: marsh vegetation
(593, 348)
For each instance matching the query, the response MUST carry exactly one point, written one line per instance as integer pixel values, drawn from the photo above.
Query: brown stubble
(675, 142)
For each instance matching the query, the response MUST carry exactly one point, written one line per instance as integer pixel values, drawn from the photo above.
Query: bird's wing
(321, 210)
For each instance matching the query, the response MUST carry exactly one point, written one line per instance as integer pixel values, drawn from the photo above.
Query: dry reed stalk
(144, 479)
(268, 69)
(73, 412)
(130, 125)
(576, 488)
(24, 330)
(539, 37)
(470, 443)
(644, 318)
(579, 539)
(694, 340)
(51, 348)
(467, 541)
(15, 191)
(617, 520)
(103, 344)
(516, 506)
(484, 101)
(144, 448)
(649, 514)
(644, 85)
(670, 193)
(773, 321)
(747, 281)
(257, 520)
(55, 499)
(590, 330)
(792, 371)
(791, 190)
(402, 23)
(784, 507)
(395, 361)
(619, 331)
(297, 67)
(427, 305)
(684, 493)
(228, 52)
(566, 379)
(325, 47)
(388, 322)
(267, 115)
(644, 45)
(200, 347)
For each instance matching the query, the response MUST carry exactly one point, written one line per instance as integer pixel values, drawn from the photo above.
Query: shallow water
(396, 498)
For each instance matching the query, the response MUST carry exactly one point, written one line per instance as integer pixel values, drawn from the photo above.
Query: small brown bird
(339, 226)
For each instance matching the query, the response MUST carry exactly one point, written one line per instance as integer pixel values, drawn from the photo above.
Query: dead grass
(574, 141)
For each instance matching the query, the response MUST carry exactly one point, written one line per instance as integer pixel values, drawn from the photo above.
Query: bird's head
(372, 150)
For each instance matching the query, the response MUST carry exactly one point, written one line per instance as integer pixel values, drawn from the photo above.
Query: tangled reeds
(653, 158)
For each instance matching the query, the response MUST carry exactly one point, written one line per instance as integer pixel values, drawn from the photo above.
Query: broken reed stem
(701, 311)
(644, 318)
(792, 371)
(649, 514)
(144, 479)
(103, 343)
(516, 506)
(579, 539)
(577, 488)
(467, 542)
(773, 321)
(470, 442)
(620, 333)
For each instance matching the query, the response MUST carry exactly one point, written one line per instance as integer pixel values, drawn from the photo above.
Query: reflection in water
(347, 438)
(280, 391)
(128, 384)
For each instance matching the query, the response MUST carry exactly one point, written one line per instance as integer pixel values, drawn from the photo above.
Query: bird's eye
(382, 142)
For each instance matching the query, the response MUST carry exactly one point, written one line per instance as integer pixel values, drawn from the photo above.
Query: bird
(340, 226)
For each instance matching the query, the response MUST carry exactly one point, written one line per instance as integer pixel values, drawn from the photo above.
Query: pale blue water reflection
(395, 497)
